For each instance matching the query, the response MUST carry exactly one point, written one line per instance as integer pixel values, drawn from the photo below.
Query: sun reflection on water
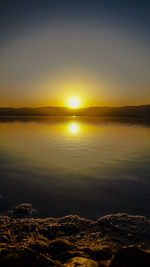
(74, 127)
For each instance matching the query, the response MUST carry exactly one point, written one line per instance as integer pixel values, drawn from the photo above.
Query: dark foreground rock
(118, 240)
(22, 211)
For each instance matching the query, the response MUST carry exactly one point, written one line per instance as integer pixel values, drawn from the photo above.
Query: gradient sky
(53, 50)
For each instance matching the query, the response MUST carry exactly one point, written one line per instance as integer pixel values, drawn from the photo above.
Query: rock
(131, 257)
(61, 250)
(25, 257)
(62, 245)
(130, 226)
(101, 254)
(73, 241)
(22, 211)
(80, 261)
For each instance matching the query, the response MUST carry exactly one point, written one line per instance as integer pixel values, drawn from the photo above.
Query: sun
(74, 103)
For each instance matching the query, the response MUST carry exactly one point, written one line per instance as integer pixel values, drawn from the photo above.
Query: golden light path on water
(74, 127)
(55, 142)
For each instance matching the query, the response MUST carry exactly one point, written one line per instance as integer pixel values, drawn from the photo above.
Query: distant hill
(137, 111)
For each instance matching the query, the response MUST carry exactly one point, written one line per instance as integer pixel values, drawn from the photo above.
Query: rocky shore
(117, 240)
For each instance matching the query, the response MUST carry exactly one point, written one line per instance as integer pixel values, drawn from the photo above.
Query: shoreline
(113, 240)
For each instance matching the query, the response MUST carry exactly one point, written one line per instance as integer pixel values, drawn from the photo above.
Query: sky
(97, 51)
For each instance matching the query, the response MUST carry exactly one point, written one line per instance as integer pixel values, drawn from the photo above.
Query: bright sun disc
(74, 103)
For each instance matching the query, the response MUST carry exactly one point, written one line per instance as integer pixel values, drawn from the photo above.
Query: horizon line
(97, 106)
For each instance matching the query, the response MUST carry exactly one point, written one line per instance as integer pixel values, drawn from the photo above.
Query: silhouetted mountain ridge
(139, 111)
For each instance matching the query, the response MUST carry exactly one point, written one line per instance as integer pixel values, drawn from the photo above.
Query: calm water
(86, 166)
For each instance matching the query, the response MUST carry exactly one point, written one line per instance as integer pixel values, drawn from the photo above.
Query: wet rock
(135, 227)
(73, 241)
(39, 245)
(24, 258)
(80, 261)
(61, 250)
(131, 257)
(22, 211)
(59, 244)
(50, 231)
(101, 254)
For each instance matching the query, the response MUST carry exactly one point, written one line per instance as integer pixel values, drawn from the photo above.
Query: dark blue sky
(18, 14)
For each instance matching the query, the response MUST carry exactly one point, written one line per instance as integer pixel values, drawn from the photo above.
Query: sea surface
(90, 166)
